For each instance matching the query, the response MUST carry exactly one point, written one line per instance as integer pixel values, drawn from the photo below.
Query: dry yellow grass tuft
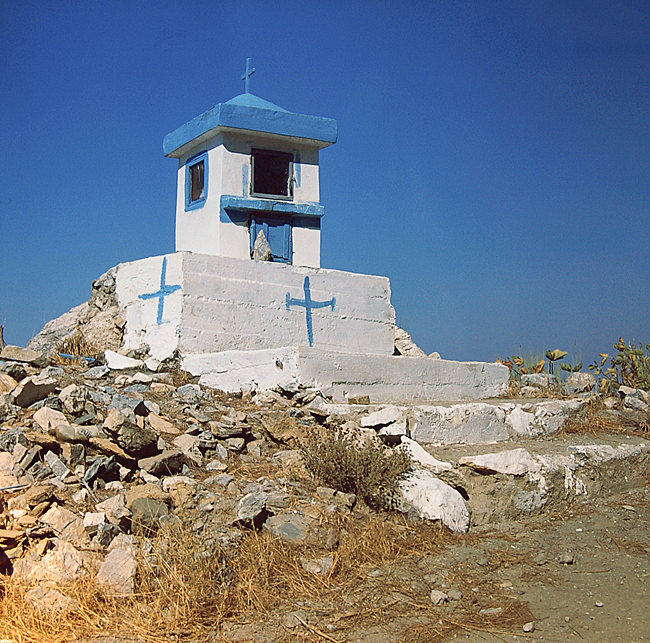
(185, 589)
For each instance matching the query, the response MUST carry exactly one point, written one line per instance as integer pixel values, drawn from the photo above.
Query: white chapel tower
(247, 166)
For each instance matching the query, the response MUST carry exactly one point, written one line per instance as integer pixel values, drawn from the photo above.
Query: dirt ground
(601, 596)
(580, 575)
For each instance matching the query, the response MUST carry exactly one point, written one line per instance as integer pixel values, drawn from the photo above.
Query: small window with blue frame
(196, 181)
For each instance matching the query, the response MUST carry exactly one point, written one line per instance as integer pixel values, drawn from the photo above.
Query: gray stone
(92, 521)
(167, 463)
(7, 383)
(385, 416)
(262, 249)
(540, 380)
(464, 423)
(97, 372)
(66, 525)
(146, 513)
(117, 362)
(216, 465)
(433, 499)
(404, 344)
(579, 383)
(251, 506)
(74, 398)
(566, 558)
(189, 445)
(635, 403)
(138, 442)
(50, 599)
(292, 528)
(438, 597)
(117, 573)
(423, 457)
(521, 421)
(124, 402)
(33, 389)
(320, 566)
(19, 354)
(515, 462)
(223, 479)
(58, 468)
(116, 511)
(278, 500)
(190, 392)
(235, 444)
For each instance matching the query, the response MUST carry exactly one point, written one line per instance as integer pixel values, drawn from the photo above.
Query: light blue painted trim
(297, 168)
(261, 223)
(237, 203)
(199, 203)
(256, 119)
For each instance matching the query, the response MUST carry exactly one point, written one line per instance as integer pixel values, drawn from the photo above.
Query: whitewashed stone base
(339, 375)
(205, 304)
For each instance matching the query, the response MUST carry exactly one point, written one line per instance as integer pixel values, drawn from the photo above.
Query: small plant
(554, 356)
(519, 366)
(629, 367)
(342, 460)
(571, 368)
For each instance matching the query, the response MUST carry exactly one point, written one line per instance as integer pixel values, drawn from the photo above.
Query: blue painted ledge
(242, 204)
(249, 115)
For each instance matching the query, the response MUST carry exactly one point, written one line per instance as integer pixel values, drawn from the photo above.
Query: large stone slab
(384, 378)
(208, 304)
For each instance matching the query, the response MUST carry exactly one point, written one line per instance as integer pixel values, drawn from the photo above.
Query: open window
(272, 174)
(196, 181)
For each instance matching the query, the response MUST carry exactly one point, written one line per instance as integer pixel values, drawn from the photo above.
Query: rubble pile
(94, 460)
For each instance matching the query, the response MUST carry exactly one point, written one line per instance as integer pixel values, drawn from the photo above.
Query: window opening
(196, 182)
(272, 173)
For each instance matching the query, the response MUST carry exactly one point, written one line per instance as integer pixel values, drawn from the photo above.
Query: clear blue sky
(493, 157)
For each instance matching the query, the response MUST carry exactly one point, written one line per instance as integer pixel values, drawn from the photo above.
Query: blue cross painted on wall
(309, 304)
(165, 290)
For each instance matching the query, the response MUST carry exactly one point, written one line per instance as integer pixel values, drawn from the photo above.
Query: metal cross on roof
(247, 76)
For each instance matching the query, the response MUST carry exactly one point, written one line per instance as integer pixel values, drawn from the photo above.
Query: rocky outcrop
(100, 322)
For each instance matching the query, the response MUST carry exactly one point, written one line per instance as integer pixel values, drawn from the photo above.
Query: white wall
(141, 277)
(231, 304)
(200, 230)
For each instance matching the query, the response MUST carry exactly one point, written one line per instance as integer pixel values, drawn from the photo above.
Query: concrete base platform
(385, 379)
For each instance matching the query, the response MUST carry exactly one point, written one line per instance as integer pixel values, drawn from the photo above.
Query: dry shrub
(76, 345)
(22, 621)
(594, 418)
(342, 460)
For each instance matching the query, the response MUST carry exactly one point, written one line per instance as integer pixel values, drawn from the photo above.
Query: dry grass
(186, 589)
(76, 345)
(592, 419)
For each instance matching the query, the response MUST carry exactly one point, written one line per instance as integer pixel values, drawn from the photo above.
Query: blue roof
(249, 112)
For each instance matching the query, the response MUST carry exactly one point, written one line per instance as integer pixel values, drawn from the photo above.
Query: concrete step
(479, 422)
(523, 477)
